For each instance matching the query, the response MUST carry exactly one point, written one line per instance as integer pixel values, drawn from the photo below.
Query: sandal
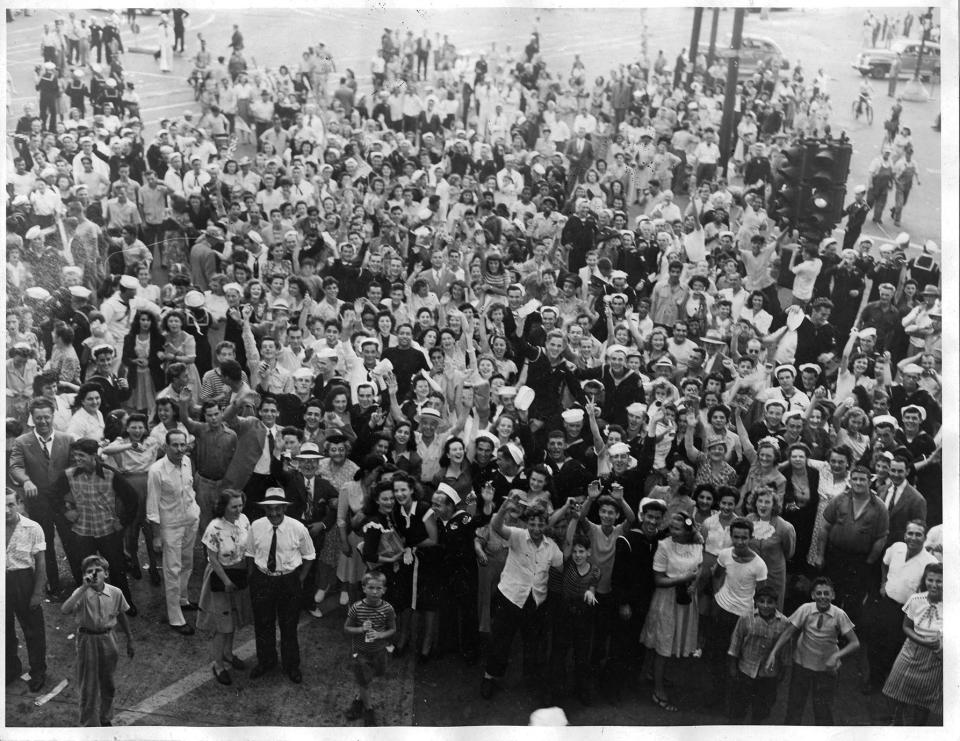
(664, 704)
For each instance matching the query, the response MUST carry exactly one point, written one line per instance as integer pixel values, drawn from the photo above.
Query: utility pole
(711, 54)
(733, 68)
(914, 90)
(694, 43)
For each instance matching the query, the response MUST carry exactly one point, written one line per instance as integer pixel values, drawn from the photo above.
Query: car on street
(754, 51)
(876, 63)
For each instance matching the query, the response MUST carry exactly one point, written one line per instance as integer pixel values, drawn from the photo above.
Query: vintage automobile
(755, 51)
(877, 63)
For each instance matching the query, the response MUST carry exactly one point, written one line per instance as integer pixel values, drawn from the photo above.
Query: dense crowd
(489, 349)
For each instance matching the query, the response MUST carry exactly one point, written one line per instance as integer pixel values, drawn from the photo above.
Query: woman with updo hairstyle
(671, 627)
(225, 605)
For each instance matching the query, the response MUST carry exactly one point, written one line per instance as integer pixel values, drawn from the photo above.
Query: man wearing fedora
(279, 551)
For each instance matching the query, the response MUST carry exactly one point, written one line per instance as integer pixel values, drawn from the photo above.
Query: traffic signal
(786, 200)
(826, 166)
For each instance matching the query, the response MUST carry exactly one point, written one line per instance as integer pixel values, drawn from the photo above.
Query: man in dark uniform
(114, 390)
(456, 530)
(633, 586)
(48, 84)
(77, 92)
(179, 14)
(856, 214)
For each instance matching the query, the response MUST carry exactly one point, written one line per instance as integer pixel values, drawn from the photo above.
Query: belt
(90, 632)
(211, 479)
(275, 573)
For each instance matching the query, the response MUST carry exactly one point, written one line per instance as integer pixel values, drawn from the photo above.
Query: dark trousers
(276, 599)
(19, 590)
(97, 657)
(706, 172)
(49, 109)
(39, 511)
(531, 621)
(573, 629)
(459, 620)
(111, 548)
(853, 579)
(627, 652)
(882, 628)
(604, 621)
(422, 65)
(153, 239)
(178, 37)
(823, 685)
(758, 695)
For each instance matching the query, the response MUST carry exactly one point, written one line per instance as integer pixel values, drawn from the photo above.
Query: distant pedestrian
(99, 607)
(894, 76)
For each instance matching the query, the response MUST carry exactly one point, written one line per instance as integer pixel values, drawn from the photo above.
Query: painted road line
(248, 650)
(175, 691)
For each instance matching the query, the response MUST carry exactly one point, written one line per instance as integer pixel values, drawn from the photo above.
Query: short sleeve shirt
(740, 582)
(819, 632)
(25, 542)
(228, 539)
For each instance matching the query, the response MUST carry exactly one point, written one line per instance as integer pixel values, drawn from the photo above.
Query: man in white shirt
(172, 507)
(522, 591)
(279, 553)
(707, 155)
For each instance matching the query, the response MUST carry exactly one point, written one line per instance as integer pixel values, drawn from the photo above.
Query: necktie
(271, 442)
(819, 615)
(45, 446)
(272, 556)
(892, 497)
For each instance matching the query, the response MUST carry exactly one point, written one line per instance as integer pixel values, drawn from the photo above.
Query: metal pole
(926, 22)
(711, 54)
(733, 68)
(694, 43)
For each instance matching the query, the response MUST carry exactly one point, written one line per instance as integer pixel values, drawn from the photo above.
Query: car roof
(901, 43)
(757, 37)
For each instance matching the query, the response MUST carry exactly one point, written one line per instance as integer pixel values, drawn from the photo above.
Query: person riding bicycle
(201, 65)
(863, 98)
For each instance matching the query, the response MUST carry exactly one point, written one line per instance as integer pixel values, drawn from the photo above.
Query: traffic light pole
(914, 91)
(694, 43)
(712, 53)
(733, 68)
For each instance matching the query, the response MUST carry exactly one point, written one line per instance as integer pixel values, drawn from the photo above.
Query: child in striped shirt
(371, 622)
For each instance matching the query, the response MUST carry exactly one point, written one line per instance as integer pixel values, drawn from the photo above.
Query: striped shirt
(212, 387)
(382, 617)
(575, 584)
(752, 639)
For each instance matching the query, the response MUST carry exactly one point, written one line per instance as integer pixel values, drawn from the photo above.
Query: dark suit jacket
(27, 462)
(251, 436)
(579, 161)
(910, 506)
(323, 493)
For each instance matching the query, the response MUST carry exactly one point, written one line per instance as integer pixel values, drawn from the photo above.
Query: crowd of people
(487, 350)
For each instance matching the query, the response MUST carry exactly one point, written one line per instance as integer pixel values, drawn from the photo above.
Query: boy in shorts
(372, 622)
(99, 607)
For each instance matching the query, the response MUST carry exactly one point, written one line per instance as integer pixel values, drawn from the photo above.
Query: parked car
(876, 63)
(754, 51)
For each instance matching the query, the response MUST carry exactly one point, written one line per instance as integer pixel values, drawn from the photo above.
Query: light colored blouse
(228, 540)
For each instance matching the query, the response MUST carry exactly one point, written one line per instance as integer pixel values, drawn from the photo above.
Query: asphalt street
(169, 682)
(603, 38)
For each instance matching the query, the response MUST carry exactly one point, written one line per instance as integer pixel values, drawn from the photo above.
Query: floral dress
(144, 394)
(225, 612)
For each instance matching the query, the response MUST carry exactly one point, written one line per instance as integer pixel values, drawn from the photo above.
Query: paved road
(169, 682)
(603, 38)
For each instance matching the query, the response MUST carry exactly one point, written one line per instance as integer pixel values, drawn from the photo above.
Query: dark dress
(422, 575)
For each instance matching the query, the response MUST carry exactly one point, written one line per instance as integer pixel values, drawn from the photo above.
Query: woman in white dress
(87, 420)
(166, 43)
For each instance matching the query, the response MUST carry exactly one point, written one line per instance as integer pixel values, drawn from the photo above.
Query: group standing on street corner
(489, 349)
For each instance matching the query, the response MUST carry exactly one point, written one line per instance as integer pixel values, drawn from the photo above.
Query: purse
(237, 576)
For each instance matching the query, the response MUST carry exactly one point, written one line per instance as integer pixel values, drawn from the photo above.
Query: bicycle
(862, 106)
